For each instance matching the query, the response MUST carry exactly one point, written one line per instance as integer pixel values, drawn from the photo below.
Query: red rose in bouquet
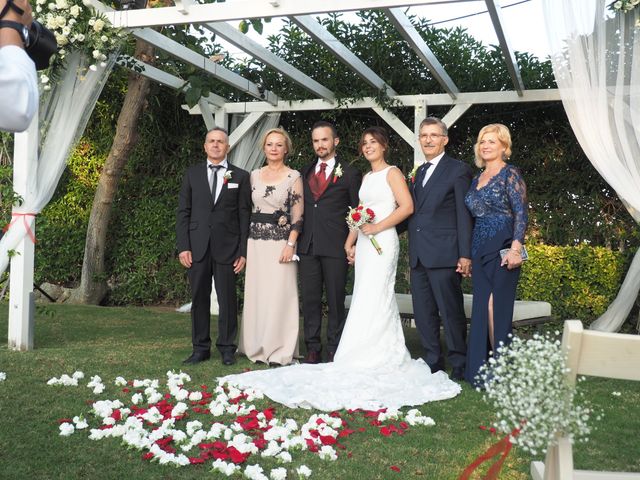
(357, 217)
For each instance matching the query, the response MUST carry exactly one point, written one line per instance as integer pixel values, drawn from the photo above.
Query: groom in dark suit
(330, 187)
(440, 248)
(212, 228)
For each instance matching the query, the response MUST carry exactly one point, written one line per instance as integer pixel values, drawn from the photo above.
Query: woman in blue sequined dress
(497, 200)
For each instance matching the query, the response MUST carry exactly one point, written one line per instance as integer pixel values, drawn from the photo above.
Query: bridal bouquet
(357, 217)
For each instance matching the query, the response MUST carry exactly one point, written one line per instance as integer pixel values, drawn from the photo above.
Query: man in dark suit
(212, 228)
(330, 187)
(440, 248)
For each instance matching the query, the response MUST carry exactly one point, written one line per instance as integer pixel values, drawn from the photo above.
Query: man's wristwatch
(18, 27)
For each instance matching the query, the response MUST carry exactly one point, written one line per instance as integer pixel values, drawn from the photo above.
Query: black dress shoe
(228, 358)
(312, 357)
(197, 358)
(457, 373)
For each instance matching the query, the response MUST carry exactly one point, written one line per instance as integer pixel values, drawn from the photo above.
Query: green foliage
(62, 226)
(579, 282)
(570, 204)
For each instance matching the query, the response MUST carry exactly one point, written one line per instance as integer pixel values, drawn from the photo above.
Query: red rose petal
(395, 468)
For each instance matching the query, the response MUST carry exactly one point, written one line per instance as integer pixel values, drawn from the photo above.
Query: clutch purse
(523, 253)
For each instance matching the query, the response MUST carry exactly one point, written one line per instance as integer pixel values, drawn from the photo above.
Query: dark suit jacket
(441, 226)
(324, 220)
(223, 226)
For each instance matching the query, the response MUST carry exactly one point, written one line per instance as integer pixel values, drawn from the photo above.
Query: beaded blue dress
(500, 212)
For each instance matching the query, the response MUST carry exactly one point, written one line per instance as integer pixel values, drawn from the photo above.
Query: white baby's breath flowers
(527, 386)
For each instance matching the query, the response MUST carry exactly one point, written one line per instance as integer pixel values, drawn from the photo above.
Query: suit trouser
(315, 272)
(200, 275)
(437, 293)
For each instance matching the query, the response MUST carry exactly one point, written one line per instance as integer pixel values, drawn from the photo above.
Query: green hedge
(579, 282)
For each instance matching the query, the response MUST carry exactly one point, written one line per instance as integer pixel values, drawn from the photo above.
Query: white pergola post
(21, 304)
(419, 114)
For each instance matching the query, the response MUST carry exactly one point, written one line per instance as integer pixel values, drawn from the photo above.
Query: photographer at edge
(18, 79)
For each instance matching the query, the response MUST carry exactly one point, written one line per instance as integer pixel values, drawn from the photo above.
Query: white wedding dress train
(372, 368)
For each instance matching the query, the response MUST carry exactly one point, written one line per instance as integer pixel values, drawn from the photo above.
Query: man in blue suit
(440, 248)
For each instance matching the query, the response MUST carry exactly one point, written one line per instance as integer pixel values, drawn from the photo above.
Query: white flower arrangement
(527, 386)
(76, 26)
(626, 6)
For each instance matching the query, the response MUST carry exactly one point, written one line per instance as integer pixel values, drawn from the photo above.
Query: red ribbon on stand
(502, 447)
(26, 225)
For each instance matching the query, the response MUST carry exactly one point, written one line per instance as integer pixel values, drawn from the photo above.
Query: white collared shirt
(434, 164)
(221, 171)
(330, 164)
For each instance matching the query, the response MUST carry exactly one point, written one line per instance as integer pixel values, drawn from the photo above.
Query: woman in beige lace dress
(270, 320)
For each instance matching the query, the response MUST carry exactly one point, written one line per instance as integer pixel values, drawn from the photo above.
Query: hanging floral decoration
(626, 6)
(77, 26)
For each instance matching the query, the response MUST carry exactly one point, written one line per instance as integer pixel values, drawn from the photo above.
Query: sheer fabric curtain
(596, 62)
(248, 155)
(64, 113)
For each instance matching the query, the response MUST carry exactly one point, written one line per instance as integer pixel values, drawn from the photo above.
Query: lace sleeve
(517, 193)
(296, 205)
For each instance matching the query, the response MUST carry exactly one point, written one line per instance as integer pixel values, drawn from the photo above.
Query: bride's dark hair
(381, 136)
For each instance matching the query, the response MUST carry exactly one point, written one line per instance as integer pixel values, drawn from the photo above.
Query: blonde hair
(283, 132)
(502, 132)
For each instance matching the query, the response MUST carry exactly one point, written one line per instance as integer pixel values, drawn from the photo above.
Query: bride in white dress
(372, 367)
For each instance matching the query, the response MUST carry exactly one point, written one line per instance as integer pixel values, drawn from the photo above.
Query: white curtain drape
(247, 154)
(596, 61)
(64, 113)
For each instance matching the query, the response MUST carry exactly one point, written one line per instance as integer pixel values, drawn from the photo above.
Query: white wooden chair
(612, 355)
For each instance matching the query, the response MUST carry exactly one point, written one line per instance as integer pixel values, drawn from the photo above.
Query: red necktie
(322, 177)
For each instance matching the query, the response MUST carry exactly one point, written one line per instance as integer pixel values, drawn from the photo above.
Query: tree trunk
(93, 282)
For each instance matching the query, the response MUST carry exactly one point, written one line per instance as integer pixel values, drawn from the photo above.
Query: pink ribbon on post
(24, 216)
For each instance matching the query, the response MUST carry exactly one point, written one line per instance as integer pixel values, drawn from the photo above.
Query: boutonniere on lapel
(337, 173)
(227, 177)
(412, 175)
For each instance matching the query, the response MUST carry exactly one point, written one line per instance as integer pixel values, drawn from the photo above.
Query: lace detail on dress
(501, 203)
(283, 200)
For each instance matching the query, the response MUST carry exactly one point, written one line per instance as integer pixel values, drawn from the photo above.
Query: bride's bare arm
(403, 199)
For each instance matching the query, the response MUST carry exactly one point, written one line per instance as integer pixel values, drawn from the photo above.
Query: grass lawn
(146, 342)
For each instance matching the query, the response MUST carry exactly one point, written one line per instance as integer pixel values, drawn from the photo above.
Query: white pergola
(214, 17)
(216, 109)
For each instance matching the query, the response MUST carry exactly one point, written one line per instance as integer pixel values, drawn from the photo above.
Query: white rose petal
(66, 429)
